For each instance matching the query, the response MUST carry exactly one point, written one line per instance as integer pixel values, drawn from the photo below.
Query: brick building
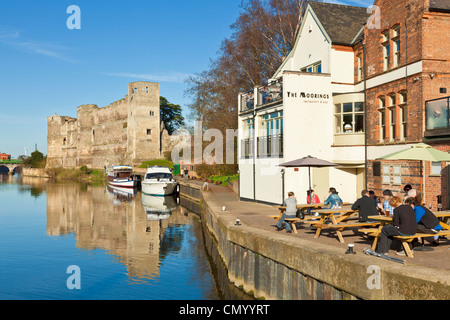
(359, 84)
(4, 156)
(407, 64)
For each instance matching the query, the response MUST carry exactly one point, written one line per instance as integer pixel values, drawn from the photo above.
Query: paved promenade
(256, 215)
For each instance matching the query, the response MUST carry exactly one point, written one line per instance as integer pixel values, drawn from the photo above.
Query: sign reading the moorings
(310, 97)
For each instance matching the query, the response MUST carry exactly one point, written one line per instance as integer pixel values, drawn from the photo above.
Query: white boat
(121, 176)
(158, 181)
(158, 207)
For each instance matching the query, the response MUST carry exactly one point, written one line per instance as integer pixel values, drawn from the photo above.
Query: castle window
(149, 131)
(152, 113)
(146, 89)
(135, 90)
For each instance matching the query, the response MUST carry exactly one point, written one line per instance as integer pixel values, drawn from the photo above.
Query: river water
(68, 241)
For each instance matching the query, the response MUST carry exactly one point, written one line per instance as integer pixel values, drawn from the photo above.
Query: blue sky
(46, 68)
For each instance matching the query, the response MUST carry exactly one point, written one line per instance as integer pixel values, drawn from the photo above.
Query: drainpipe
(365, 113)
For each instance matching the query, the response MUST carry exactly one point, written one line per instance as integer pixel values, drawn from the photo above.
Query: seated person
(404, 224)
(291, 209)
(426, 221)
(315, 199)
(366, 206)
(333, 199)
(387, 208)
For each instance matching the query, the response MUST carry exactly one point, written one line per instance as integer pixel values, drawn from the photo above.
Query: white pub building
(311, 106)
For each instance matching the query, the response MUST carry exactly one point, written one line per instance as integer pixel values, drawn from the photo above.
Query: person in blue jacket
(427, 222)
(333, 199)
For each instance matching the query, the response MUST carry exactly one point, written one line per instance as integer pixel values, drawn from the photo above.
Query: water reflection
(108, 219)
(157, 247)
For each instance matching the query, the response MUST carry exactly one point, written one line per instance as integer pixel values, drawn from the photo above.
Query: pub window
(403, 99)
(436, 168)
(349, 117)
(396, 46)
(381, 108)
(386, 50)
(393, 116)
(377, 169)
(397, 174)
(359, 68)
(386, 174)
(314, 68)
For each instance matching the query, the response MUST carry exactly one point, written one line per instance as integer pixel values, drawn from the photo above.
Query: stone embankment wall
(274, 267)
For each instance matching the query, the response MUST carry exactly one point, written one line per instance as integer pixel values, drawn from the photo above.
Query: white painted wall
(312, 46)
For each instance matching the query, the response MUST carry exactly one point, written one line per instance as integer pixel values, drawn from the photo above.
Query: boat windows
(158, 176)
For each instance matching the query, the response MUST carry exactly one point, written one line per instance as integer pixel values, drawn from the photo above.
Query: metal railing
(247, 101)
(270, 93)
(270, 146)
(247, 147)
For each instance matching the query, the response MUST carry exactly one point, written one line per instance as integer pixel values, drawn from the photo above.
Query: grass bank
(81, 174)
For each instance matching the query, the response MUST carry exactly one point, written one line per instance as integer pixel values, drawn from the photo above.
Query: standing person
(388, 210)
(333, 199)
(315, 199)
(404, 224)
(426, 221)
(366, 206)
(186, 176)
(291, 209)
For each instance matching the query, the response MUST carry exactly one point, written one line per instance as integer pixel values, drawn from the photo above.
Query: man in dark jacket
(366, 205)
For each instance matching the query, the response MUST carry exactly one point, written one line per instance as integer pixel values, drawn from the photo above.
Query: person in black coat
(366, 205)
(404, 224)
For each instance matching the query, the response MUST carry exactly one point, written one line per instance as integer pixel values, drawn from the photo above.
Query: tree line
(262, 37)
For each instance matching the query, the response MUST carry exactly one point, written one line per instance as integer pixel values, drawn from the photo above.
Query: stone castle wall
(128, 131)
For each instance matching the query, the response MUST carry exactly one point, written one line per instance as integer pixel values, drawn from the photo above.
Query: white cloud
(176, 77)
(12, 37)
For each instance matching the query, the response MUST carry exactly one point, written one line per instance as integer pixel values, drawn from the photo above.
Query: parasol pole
(421, 180)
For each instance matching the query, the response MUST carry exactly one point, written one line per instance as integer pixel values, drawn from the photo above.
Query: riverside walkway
(256, 215)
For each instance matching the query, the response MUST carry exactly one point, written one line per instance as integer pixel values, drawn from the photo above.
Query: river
(66, 240)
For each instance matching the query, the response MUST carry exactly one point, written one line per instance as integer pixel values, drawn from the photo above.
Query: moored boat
(158, 181)
(121, 176)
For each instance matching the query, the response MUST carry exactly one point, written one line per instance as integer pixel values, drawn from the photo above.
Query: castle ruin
(128, 131)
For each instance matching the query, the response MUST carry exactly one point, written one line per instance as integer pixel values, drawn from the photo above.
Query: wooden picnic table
(388, 220)
(306, 206)
(383, 221)
(445, 215)
(336, 215)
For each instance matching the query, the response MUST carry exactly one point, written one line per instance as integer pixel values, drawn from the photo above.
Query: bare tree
(263, 35)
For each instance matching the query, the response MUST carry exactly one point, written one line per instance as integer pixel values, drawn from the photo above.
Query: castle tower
(143, 121)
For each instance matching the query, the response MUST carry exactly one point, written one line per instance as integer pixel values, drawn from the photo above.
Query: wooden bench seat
(292, 222)
(406, 239)
(370, 231)
(343, 226)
